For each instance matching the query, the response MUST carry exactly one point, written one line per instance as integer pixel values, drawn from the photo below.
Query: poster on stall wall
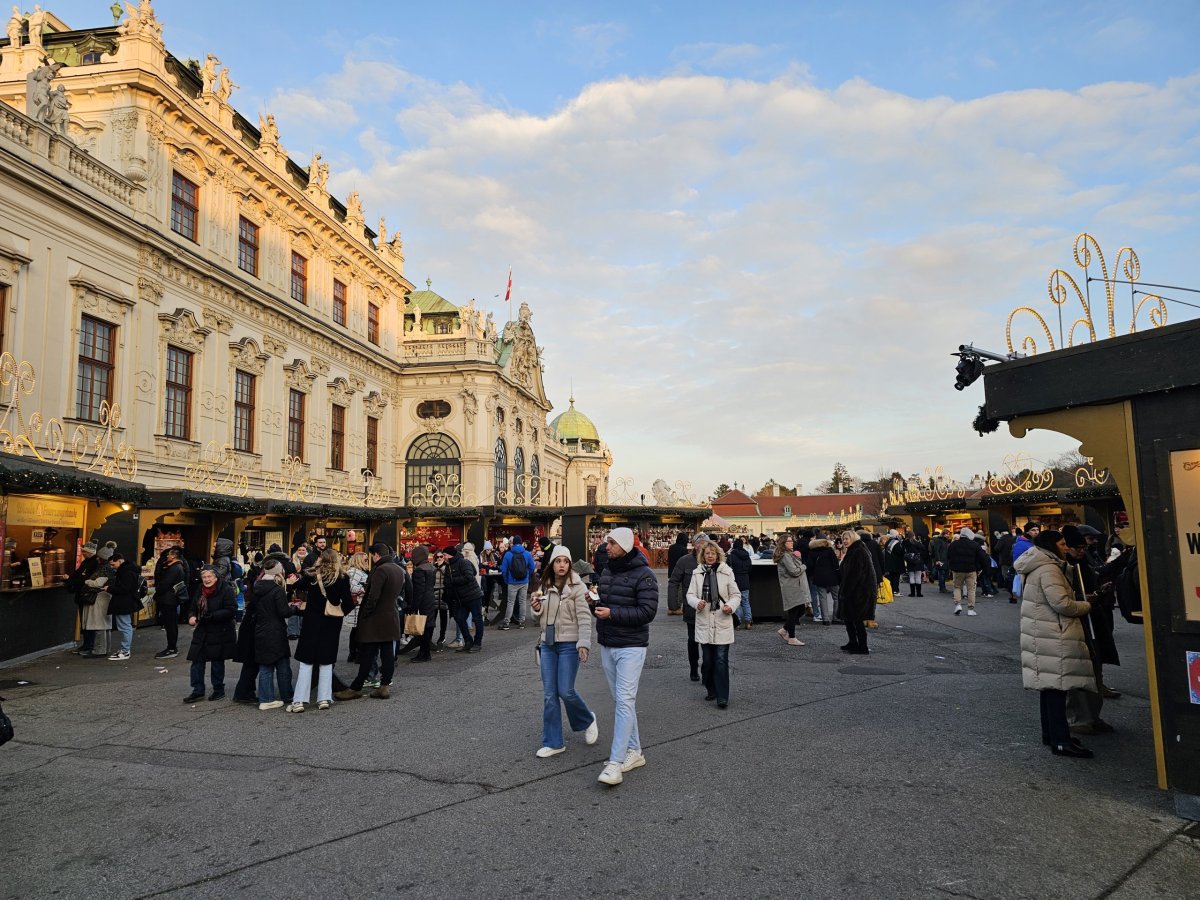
(1185, 486)
(1193, 673)
(36, 578)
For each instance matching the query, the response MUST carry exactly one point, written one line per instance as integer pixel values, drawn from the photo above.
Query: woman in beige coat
(560, 606)
(714, 595)
(1054, 653)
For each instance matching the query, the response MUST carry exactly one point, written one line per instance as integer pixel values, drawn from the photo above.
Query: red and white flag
(508, 293)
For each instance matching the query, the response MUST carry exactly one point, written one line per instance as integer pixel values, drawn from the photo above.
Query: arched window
(519, 475)
(432, 471)
(500, 473)
(535, 480)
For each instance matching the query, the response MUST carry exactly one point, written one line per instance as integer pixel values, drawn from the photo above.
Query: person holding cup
(560, 606)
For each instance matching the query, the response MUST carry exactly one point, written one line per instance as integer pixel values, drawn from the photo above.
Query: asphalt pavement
(915, 772)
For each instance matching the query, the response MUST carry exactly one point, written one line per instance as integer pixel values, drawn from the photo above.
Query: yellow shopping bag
(885, 592)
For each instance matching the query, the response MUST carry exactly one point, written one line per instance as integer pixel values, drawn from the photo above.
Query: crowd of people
(281, 607)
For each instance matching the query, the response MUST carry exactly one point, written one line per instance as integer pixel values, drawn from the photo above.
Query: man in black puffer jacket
(627, 605)
(468, 598)
(678, 551)
(739, 561)
(965, 558)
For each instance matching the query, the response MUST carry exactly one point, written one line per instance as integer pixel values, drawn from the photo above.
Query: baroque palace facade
(199, 340)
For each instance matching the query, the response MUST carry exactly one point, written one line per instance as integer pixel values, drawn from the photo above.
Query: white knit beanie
(623, 538)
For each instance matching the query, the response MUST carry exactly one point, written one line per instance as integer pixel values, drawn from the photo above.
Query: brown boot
(348, 694)
(382, 692)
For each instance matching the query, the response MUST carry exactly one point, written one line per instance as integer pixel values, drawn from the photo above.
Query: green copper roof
(574, 426)
(429, 301)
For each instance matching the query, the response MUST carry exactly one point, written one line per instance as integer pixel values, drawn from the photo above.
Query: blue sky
(750, 233)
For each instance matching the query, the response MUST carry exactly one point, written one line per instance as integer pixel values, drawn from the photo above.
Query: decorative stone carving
(252, 208)
(141, 22)
(181, 329)
(268, 132)
(14, 29)
(297, 375)
(214, 402)
(225, 85)
(355, 222)
(145, 382)
(208, 74)
(150, 290)
(320, 366)
(318, 175)
(340, 392)
(37, 90)
(216, 319)
(274, 346)
(375, 403)
(357, 384)
(470, 405)
(245, 355)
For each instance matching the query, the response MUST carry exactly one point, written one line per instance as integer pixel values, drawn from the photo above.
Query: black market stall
(584, 527)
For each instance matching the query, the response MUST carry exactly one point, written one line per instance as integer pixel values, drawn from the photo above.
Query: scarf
(206, 594)
(710, 594)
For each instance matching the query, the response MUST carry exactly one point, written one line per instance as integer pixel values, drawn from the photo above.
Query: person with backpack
(516, 567)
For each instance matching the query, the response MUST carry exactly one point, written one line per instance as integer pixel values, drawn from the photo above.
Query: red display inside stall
(434, 535)
(529, 533)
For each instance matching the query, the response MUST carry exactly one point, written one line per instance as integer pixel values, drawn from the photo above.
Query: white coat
(1054, 654)
(712, 625)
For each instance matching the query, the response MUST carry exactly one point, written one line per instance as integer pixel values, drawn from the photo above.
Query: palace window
(94, 383)
(295, 432)
(247, 246)
(373, 323)
(441, 326)
(433, 409)
(431, 472)
(373, 445)
(519, 475)
(243, 411)
(178, 422)
(337, 438)
(500, 470)
(185, 206)
(91, 58)
(299, 278)
(339, 303)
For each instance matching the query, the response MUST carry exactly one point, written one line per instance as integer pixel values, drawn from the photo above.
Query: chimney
(774, 489)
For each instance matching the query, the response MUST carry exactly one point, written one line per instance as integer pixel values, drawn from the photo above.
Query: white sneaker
(971, 612)
(120, 654)
(274, 704)
(611, 774)
(957, 608)
(547, 752)
(294, 708)
(454, 645)
(633, 760)
(593, 732)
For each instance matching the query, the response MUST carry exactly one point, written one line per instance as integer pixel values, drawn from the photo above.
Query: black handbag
(6, 727)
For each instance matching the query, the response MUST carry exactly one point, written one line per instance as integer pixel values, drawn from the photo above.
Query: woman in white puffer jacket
(1054, 652)
(714, 595)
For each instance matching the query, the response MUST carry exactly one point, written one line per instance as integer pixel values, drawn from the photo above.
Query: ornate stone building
(213, 344)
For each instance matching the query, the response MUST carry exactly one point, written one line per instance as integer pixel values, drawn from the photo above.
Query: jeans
(474, 610)
(965, 582)
(1054, 717)
(559, 663)
(281, 669)
(168, 615)
(823, 602)
(124, 624)
(985, 582)
(939, 572)
(745, 612)
(623, 669)
(693, 649)
(304, 683)
(386, 651)
(218, 676)
(716, 670)
(517, 596)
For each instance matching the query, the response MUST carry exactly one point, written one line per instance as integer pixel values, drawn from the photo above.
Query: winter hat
(274, 548)
(271, 569)
(450, 549)
(90, 548)
(558, 551)
(1087, 531)
(106, 552)
(622, 537)
(1073, 536)
(545, 543)
(583, 568)
(967, 533)
(487, 545)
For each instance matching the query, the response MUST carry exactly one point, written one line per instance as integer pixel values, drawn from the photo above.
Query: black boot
(919, 594)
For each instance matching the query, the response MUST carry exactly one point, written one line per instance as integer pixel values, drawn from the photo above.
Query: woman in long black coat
(213, 610)
(271, 611)
(859, 589)
(423, 600)
(320, 634)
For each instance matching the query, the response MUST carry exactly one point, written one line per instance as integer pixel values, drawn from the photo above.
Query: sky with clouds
(751, 234)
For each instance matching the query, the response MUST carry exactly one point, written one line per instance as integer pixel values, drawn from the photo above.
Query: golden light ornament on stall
(1018, 477)
(1061, 285)
(215, 472)
(1089, 474)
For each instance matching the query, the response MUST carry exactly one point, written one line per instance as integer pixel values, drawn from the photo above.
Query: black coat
(876, 554)
(164, 584)
(214, 637)
(464, 587)
(123, 587)
(319, 633)
(823, 568)
(629, 588)
(965, 555)
(85, 572)
(893, 556)
(677, 551)
(271, 613)
(600, 559)
(378, 616)
(860, 586)
(423, 599)
(739, 561)
(680, 580)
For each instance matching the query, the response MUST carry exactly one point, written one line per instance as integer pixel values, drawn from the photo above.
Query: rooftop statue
(208, 73)
(268, 131)
(58, 113)
(225, 85)
(37, 91)
(142, 20)
(318, 173)
(354, 207)
(14, 28)
(489, 327)
(37, 22)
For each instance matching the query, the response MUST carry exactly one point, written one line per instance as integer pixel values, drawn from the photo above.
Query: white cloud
(753, 278)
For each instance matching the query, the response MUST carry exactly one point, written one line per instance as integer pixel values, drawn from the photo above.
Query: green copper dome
(574, 426)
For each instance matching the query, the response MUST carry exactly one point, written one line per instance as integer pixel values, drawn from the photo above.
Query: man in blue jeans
(516, 567)
(627, 605)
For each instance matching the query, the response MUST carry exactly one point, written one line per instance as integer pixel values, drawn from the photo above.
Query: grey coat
(1054, 652)
(793, 583)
